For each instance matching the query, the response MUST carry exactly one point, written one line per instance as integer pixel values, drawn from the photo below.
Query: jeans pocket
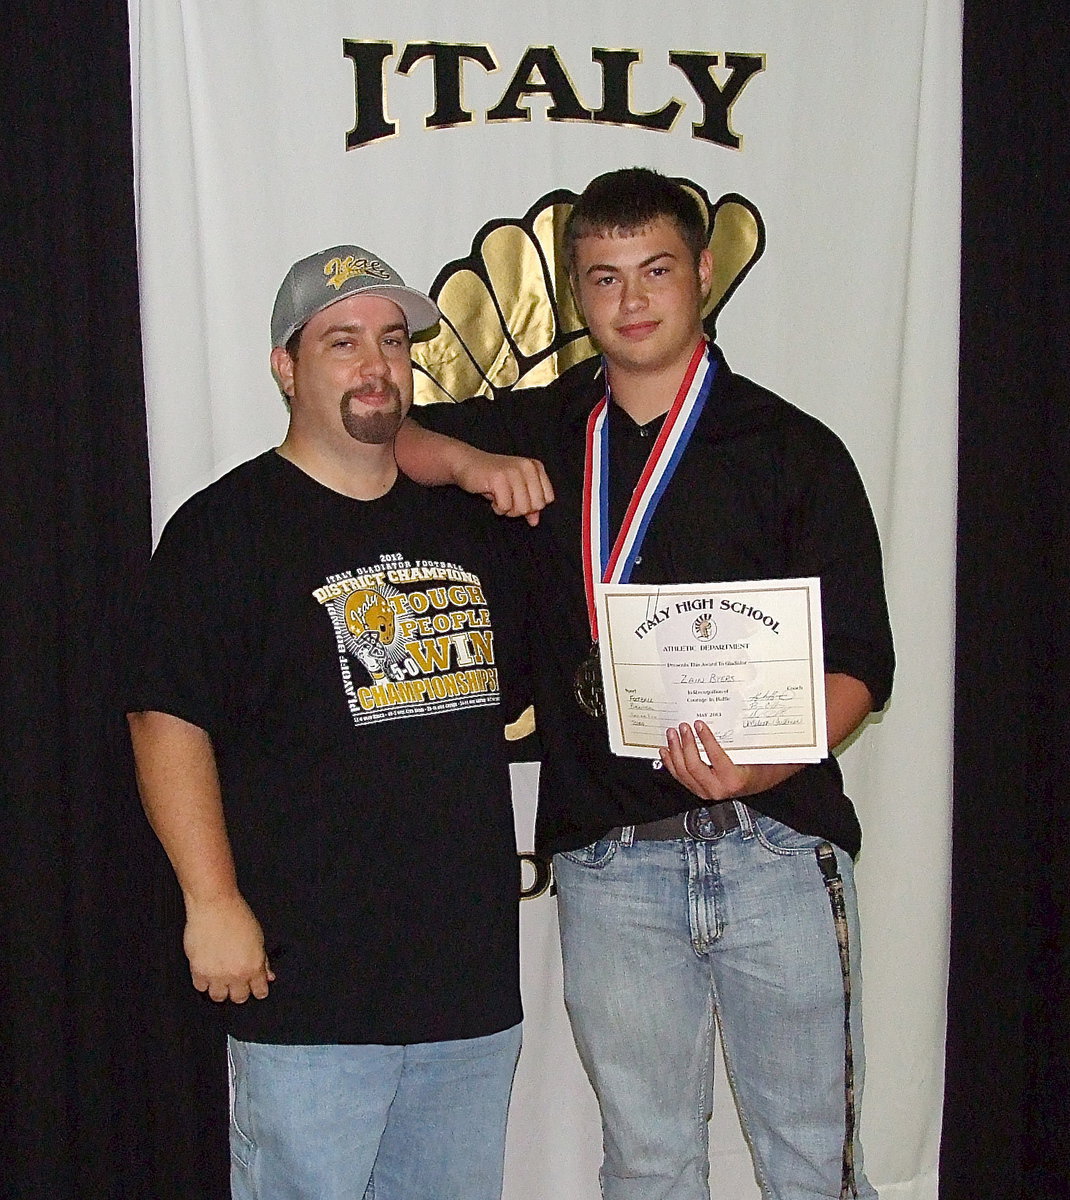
(782, 839)
(242, 1145)
(597, 854)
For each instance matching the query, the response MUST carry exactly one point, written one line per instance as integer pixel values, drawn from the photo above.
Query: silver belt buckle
(702, 825)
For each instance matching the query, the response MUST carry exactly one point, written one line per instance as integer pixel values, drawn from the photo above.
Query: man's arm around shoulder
(179, 785)
(515, 486)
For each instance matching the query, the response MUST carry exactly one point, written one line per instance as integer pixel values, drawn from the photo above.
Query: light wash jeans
(419, 1122)
(662, 939)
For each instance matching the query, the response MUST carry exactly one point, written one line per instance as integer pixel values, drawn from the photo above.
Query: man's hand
(721, 779)
(515, 487)
(179, 784)
(225, 947)
(847, 703)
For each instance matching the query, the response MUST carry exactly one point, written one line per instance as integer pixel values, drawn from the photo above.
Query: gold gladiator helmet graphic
(508, 316)
(369, 617)
(367, 612)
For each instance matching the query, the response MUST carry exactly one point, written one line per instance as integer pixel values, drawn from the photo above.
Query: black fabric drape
(1007, 1104)
(111, 1085)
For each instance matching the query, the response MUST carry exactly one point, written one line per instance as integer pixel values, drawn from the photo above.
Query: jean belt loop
(627, 835)
(746, 820)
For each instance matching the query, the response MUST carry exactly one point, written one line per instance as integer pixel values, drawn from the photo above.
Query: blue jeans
(419, 1122)
(660, 941)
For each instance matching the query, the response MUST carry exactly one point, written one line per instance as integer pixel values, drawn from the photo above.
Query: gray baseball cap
(322, 279)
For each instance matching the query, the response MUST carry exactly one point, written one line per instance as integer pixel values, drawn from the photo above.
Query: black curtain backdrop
(1007, 1102)
(112, 1069)
(108, 1061)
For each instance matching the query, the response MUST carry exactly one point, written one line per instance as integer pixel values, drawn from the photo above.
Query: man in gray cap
(318, 678)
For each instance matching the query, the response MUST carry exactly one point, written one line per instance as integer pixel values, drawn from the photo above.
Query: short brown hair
(628, 200)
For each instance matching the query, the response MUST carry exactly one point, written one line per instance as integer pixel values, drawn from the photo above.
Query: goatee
(375, 427)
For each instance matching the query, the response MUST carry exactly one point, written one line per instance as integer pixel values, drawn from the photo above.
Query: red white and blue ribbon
(615, 564)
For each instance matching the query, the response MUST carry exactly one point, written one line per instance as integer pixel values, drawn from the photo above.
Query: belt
(704, 824)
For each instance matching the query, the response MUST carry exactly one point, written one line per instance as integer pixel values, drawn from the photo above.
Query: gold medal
(590, 695)
(613, 564)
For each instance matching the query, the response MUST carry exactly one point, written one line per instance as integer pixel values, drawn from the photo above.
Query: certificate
(745, 658)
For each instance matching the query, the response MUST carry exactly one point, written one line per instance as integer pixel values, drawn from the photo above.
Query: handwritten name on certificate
(746, 658)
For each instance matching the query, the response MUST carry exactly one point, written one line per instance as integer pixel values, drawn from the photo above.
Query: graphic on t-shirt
(413, 639)
(370, 619)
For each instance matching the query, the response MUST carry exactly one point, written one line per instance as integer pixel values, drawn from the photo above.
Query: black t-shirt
(764, 491)
(349, 659)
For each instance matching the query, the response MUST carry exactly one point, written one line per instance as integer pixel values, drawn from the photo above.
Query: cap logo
(338, 270)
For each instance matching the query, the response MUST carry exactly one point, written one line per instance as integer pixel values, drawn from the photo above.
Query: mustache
(386, 387)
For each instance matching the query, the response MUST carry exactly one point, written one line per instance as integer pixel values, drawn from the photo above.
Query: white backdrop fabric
(850, 150)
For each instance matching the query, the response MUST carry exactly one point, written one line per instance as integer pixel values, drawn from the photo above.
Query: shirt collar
(730, 409)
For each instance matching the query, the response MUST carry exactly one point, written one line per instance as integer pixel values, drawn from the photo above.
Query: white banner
(267, 130)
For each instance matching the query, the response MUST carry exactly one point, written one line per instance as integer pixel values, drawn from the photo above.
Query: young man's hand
(515, 487)
(847, 703)
(720, 778)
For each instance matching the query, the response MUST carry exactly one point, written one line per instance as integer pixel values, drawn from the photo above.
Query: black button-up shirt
(764, 491)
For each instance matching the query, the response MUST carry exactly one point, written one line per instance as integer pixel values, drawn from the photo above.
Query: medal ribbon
(615, 565)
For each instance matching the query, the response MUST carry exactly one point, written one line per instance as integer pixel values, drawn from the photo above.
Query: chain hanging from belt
(826, 860)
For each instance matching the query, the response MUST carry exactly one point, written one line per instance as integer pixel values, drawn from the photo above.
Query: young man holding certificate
(708, 892)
